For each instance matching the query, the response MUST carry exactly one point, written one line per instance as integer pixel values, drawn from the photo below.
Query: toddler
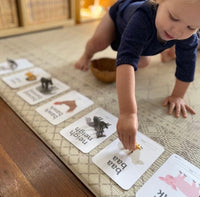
(137, 29)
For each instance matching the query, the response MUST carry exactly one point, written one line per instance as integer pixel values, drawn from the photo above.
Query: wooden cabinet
(8, 14)
(22, 16)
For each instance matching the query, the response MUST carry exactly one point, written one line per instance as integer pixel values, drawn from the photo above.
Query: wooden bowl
(104, 69)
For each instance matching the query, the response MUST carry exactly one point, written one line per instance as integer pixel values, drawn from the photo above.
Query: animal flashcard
(90, 130)
(36, 94)
(25, 78)
(64, 107)
(14, 65)
(176, 177)
(125, 167)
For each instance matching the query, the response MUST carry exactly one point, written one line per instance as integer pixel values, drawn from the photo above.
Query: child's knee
(144, 61)
(96, 43)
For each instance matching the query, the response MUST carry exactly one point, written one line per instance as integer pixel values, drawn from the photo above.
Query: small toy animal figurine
(45, 83)
(30, 76)
(12, 64)
(139, 147)
(98, 125)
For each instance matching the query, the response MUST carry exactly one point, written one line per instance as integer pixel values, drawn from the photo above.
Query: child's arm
(176, 101)
(128, 122)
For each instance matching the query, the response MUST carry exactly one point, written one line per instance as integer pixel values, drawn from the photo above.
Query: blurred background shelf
(88, 10)
(8, 14)
(23, 16)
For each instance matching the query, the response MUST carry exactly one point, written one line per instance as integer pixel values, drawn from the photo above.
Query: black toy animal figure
(98, 125)
(12, 64)
(45, 83)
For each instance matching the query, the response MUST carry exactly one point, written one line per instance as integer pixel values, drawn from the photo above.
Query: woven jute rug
(56, 51)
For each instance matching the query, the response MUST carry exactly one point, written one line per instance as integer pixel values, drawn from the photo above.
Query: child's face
(177, 19)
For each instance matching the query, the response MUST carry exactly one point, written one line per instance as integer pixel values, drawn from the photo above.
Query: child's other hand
(127, 127)
(178, 105)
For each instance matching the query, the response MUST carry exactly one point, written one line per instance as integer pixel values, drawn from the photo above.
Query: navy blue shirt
(136, 35)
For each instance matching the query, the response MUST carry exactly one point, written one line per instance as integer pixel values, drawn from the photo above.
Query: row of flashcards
(176, 177)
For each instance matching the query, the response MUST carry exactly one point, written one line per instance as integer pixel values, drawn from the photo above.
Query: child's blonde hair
(153, 1)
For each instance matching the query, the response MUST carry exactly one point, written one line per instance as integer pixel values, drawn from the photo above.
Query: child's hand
(127, 127)
(178, 105)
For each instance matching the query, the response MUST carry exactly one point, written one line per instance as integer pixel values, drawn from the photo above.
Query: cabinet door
(44, 11)
(8, 14)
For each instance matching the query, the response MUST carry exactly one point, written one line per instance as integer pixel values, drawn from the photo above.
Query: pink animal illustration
(182, 185)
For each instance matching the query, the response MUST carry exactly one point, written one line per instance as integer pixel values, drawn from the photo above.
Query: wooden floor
(27, 165)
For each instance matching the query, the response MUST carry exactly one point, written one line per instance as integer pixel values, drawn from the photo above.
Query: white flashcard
(45, 90)
(90, 130)
(15, 65)
(25, 78)
(64, 107)
(175, 178)
(125, 167)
